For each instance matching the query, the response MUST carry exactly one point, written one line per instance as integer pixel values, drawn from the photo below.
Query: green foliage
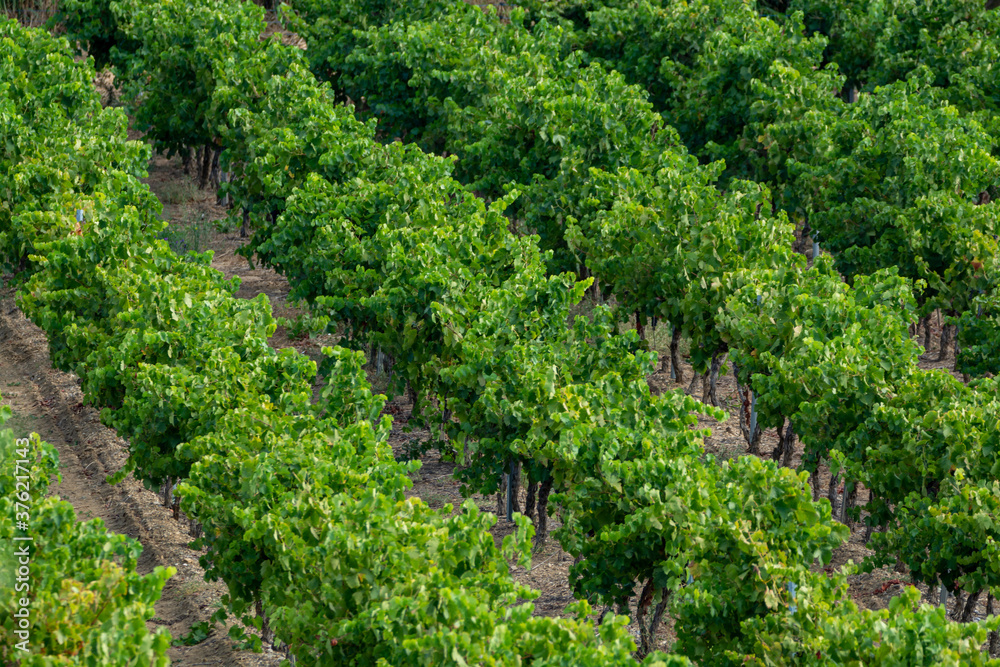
(328, 26)
(99, 27)
(979, 336)
(713, 97)
(790, 108)
(838, 363)
(709, 65)
(86, 600)
(170, 76)
(281, 125)
(257, 461)
(818, 352)
(638, 38)
(412, 75)
(668, 243)
(515, 107)
(824, 631)
(766, 533)
(893, 181)
(917, 440)
(198, 633)
(82, 156)
(83, 597)
(877, 43)
(634, 509)
(951, 538)
(41, 463)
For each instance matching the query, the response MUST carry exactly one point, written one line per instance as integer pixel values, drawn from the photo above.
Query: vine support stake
(510, 495)
(673, 373)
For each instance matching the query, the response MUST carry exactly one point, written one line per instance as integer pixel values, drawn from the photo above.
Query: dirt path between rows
(49, 402)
